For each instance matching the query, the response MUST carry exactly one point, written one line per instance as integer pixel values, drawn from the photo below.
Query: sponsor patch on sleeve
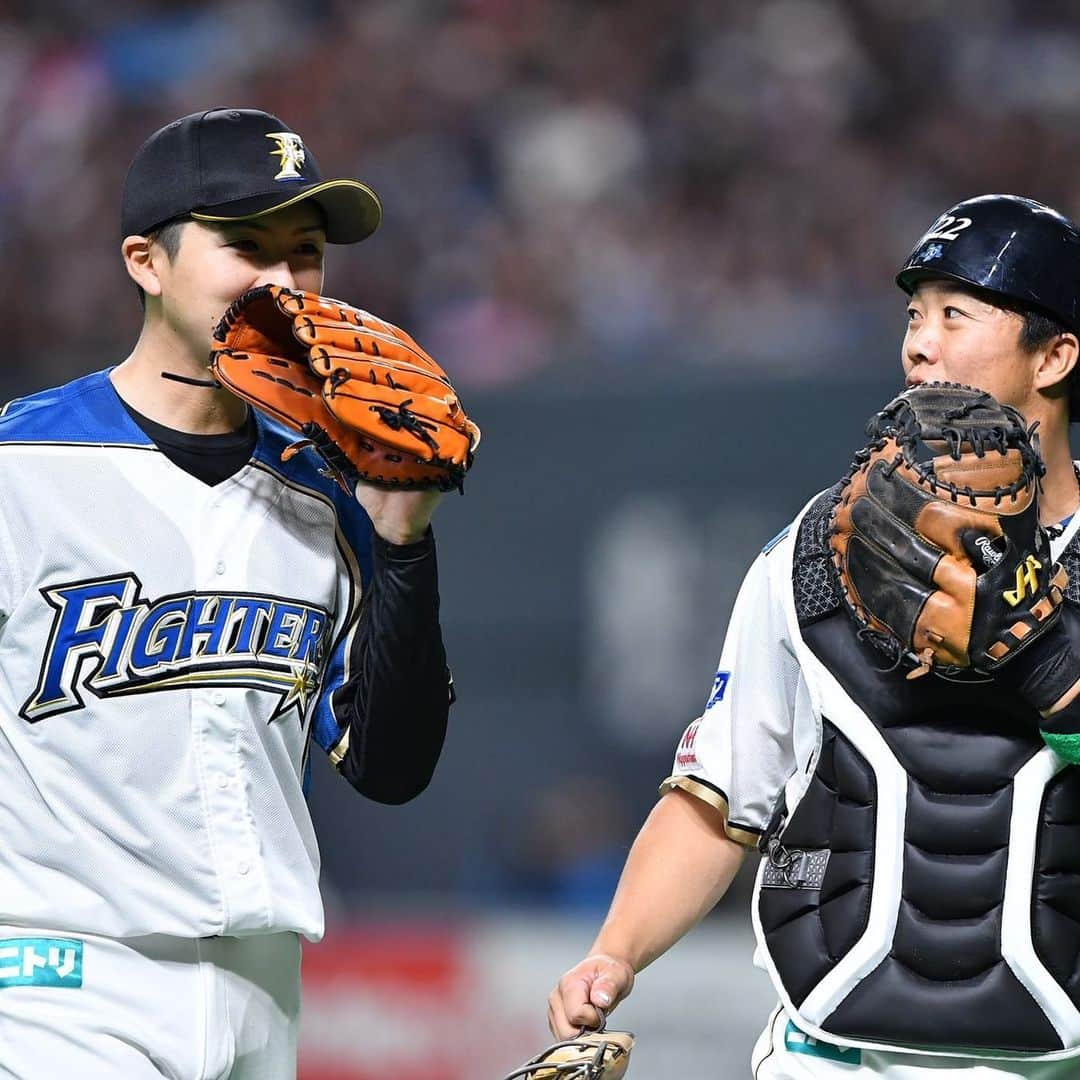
(720, 685)
(686, 755)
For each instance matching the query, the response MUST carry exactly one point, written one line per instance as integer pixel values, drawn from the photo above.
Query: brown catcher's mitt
(592, 1055)
(936, 536)
(359, 390)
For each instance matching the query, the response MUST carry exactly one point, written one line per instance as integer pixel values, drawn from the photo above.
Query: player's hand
(587, 993)
(399, 517)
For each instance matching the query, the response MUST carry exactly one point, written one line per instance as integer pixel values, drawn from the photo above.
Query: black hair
(168, 236)
(1037, 331)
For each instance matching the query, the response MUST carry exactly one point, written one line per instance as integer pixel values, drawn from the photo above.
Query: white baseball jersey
(167, 651)
(759, 720)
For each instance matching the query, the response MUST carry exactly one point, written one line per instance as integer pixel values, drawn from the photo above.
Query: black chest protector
(944, 980)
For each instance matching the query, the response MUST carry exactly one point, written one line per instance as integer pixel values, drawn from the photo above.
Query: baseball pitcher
(196, 593)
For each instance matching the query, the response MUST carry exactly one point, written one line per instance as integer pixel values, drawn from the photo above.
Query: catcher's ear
(1058, 361)
(138, 258)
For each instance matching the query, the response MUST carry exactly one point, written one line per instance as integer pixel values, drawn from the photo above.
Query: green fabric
(1065, 746)
(798, 1042)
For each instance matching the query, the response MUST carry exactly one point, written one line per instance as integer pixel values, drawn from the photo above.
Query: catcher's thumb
(603, 993)
(613, 981)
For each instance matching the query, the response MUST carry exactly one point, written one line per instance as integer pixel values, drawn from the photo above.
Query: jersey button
(218, 698)
(222, 780)
(243, 868)
(220, 568)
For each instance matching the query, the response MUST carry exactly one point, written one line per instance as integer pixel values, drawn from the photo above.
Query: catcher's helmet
(1014, 247)
(1020, 249)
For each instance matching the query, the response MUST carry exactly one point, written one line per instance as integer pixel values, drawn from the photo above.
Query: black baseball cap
(235, 165)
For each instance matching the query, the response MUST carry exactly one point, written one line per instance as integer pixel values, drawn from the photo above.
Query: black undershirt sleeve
(397, 699)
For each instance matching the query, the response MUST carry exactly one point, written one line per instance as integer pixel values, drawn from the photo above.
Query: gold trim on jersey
(709, 795)
(340, 749)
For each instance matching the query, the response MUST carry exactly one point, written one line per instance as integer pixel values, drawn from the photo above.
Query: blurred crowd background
(583, 190)
(654, 245)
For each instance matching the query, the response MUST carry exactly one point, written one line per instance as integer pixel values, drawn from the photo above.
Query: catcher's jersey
(922, 885)
(167, 651)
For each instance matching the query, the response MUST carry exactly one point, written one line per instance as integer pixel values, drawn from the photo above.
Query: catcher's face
(216, 263)
(953, 336)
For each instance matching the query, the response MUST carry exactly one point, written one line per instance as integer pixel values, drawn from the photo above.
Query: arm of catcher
(1060, 725)
(680, 865)
(1047, 675)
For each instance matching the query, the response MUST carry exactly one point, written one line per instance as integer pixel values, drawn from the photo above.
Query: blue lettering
(108, 640)
(209, 631)
(252, 608)
(111, 668)
(281, 633)
(82, 619)
(309, 647)
(158, 637)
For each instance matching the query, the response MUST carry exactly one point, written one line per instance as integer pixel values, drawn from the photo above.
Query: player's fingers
(567, 1021)
(558, 1024)
(591, 989)
(613, 980)
(605, 993)
(570, 1005)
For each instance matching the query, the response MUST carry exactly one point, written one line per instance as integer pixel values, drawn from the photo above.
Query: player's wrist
(404, 544)
(1044, 673)
(614, 954)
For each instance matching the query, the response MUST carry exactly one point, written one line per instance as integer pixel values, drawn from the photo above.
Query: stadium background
(654, 245)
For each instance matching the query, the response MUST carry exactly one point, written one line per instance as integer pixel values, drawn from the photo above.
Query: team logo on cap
(290, 152)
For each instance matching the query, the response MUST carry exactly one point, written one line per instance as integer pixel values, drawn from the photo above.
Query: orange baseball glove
(361, 391)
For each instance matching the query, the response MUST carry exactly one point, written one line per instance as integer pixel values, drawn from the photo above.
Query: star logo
(931, 252)
(300, 687)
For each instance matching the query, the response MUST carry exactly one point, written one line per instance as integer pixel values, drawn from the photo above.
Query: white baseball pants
(783, 1052)
(76, 1005)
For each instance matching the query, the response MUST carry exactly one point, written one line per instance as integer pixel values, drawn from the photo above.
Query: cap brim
(353, 211)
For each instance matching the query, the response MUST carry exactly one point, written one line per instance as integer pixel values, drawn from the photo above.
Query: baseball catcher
(894, 726)
(592, 1055)
(360, 391)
